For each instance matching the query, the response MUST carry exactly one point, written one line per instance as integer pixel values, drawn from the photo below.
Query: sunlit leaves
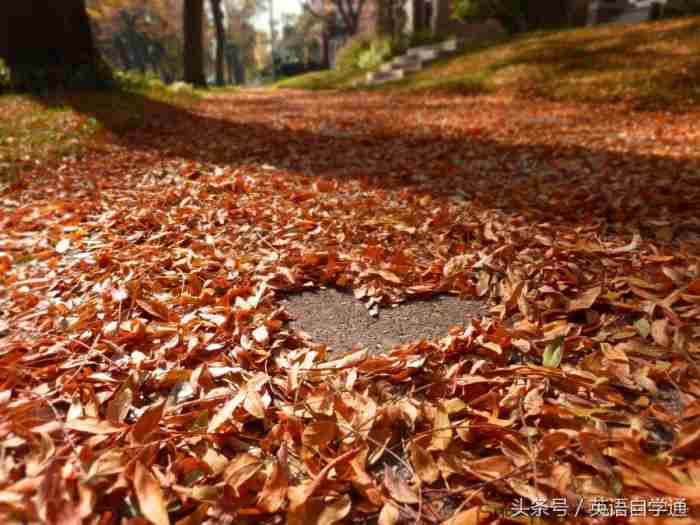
(148, 360)
(150, 496)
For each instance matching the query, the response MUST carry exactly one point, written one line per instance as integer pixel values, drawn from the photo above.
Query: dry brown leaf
(225, 412)
(155, 308)
(467, 517)
(93, 426)
(299, 495)
(399, 489)
(424, 465)
(118, 407)
(659, 333)
(350, 360)
(320, 433)
(274, 492)
(442, 429)
(150, 496)
(334, 511)
(389, 514)
(585, 300)
(148, 423)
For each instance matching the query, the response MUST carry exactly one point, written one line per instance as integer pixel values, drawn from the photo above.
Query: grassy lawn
(654, 64)
(319, 80)
(39, 129)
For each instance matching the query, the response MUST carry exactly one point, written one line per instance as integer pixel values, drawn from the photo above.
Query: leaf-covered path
(148, 371)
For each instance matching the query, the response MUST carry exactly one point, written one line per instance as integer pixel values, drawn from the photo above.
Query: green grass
(38, 129)
(655, 64)
(321, 80)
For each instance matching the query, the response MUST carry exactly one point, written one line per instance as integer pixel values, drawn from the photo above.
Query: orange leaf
(442, 431)
(147, 423)
(389, 514)
(348, 361)
(319, 433)
(225, 412)
(694, 287)
(468, 517)
(335, 511)
(300, 494)
(254, 405)
(155, 308)
(274, 492)
(118, 407)
(241, 469)
(423, 463)
(150, 496)
(659, 333)
(93, 426)
(585, 300)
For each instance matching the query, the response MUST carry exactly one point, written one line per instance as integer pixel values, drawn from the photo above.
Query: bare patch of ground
(340, 321)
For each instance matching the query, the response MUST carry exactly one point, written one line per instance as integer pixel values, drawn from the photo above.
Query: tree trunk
(194, 42)
(325, 51)
(46, 34)
(220, 41)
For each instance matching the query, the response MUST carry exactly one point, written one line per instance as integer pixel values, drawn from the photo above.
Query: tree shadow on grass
(297, 133)
(613, 58)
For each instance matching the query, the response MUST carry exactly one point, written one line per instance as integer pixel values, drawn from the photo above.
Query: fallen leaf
(63, 246)
(389, 514)
(274, 492)
(424, 465)
(442, 429)
(225, 412)
(467, 517)
(585, 300)
(261, 335)
(150, 496)
(399, 489)
(553, 354)
(148, 423)
(93, 426)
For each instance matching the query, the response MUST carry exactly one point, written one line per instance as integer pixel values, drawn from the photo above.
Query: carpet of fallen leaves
(148, 374)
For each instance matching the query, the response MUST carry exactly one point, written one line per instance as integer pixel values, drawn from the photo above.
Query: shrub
(379, 51)
(135, 81)
(348, 57)
(364, 51)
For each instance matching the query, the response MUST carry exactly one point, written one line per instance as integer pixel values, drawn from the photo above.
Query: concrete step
(414, 60)
(405, 62)
(424, 53)
(634, 16)
(381, 76)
